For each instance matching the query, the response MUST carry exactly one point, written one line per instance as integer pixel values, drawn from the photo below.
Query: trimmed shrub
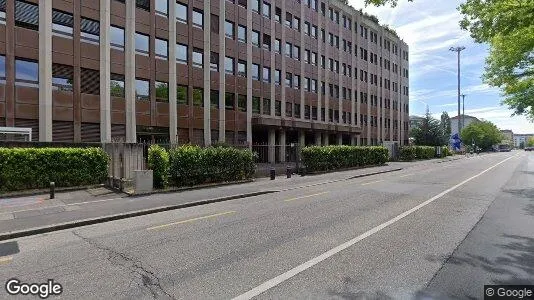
(407, 153)
(158, 162)
(34, 168)
(193, 165)
(316, 158)
(445, 151)
(425, 152)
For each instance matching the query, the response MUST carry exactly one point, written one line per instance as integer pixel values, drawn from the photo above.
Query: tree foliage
(429, 132)
(508, 27)
(530, 142)
(446, 125)
(484, 134)
(392, 3)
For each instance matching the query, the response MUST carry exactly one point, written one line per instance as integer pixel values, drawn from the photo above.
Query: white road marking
(300, 268)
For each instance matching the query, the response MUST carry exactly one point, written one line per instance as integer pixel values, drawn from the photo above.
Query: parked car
(529, 148)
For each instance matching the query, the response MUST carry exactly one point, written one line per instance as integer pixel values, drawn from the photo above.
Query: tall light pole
(463, 110)
(458, 50)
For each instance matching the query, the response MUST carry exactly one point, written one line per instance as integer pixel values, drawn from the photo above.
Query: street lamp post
(463, 110)
(458, 50)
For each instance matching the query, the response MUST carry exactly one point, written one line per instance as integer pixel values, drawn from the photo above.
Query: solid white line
(298, 269)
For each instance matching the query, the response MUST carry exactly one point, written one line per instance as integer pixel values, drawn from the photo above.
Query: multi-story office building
(240, 72)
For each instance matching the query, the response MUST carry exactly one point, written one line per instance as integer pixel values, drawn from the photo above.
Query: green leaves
(192, 165)
(409, 153)
(508, 27)
(484, 134)
(158, 162)
(34, 168)
(431, 132)
(327, 158)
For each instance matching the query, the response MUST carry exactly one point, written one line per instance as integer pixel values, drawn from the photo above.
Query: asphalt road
(440, 231)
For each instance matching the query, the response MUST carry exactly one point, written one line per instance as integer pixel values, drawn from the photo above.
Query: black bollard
(273, 173)
(52, 190)
(288, 171)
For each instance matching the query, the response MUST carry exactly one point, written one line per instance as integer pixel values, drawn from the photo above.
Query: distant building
(508, 136)
(522, 138)
(415, 121)
(466, 120)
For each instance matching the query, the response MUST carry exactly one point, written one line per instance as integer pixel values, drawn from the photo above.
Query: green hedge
(192, 165)
(158, 162)
(327, 158)
(34, 168)
(409, 153)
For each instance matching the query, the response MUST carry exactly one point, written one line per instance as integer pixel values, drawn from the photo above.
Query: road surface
(439, 231)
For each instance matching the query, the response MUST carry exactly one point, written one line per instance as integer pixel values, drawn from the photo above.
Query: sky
(430, 28)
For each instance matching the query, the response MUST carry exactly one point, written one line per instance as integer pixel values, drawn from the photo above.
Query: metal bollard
(273, 173)
(288, 171)
(52, 190)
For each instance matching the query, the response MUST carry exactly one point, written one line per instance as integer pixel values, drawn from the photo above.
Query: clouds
(430, 28)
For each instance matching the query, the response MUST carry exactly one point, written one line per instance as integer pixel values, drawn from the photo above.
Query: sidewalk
(18, 215)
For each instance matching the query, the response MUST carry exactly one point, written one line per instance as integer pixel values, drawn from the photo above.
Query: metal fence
(262, 152)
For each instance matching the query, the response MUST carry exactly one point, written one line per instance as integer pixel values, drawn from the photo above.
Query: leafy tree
(530, 142)
(484, 134)
(429, 132)
(508, 27)
(392, 3)
(446, 125)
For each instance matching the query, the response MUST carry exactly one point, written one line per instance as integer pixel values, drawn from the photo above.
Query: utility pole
(463, 110)
(458, 50)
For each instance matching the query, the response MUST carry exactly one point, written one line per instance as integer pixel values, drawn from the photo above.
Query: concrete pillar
(353, 141)
(271, 147)
(45, 71)
(358, 140)
(249, 72)
(129, 71)
(173, 111)
(105, 72)
(302, 138)
(222, 74)
(339, 139)
(282, 145)
(207, 72)
(326, 139)
(318, 139)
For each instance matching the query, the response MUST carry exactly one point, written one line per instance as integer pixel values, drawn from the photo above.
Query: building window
(181, 94)
(256, 6)
(242, 102)
(26, 15)
(142, 89)
(198, 59)
(289, 109)
(289, 49)
(214, 61)
(162, 7)
(296, 23)
(62, 23)
(90, 31)
(297, 110)
(229, 99)
(266, 74)
(296, 82)
(255, 72)
(198, 97)
(289, 20)
(255, 38)
(214, 99)
(296, 53)
(116, 85)
(26, 73)
(181, 53)
(266, 10)
(214, 20)
(2, 12)
(277, 75)
(181, 12)
(142, 44)
(242, 3)
(278, 14)
(62, 77)
(229, 65)
(277, 46)
(256, 105)
(162, 48)
(267, 42)
(116, 37)
(90, 81)
(143, 4)
(229, 29)
(289, 80)
(266, 106)
(162, 91)
(242, 33)
(2, 69)
(278, 108)
(242, 68)
(198, 18)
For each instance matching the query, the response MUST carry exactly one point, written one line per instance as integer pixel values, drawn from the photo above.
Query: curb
(189, 188)
(46, 191)
(92, 221)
